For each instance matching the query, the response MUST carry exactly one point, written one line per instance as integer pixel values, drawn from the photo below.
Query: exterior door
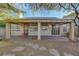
(25, 30)
(55, 30)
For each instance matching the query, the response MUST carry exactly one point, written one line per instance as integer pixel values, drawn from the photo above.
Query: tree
(8, 6)
(58, 6)
(7, 9)
(74, 7)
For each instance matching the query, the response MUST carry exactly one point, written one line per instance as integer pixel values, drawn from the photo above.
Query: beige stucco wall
(14, 31)
(65, 30)
(43, 31)
(2, 31)
(33, 32)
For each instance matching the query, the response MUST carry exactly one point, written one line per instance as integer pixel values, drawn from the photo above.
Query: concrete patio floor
(52, 38)
(19, 46)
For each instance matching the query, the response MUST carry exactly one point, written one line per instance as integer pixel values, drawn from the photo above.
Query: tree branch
(77, 5)
(64, 7)
(76, 12)
(73, 6)
(75, 21)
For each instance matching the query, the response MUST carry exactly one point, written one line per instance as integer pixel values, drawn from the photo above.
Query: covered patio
(40, 22)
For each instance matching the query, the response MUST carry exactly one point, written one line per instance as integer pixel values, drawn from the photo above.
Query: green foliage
(2, 23)
(8, 6)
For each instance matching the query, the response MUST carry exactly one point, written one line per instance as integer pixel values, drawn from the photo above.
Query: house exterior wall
(45, 30)
(2, 31)
(33, 32)
(65, 30)
(17, 30)
(72, 16)
(60, 29)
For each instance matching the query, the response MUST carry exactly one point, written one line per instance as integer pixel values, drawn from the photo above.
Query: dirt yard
(38, 48)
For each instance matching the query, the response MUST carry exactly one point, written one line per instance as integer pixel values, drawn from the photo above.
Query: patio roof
(38, 19)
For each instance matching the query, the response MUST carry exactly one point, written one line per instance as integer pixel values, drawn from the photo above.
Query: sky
(43, 13)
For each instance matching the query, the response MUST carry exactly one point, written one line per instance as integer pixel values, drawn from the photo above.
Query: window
(33, 28)
(44, 27)
(64, 29)
(15, 27)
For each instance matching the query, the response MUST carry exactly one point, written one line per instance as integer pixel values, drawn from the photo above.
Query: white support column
(7, 34)
(39, 31)
(50, 28)
(72, 32)
(61, 30)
